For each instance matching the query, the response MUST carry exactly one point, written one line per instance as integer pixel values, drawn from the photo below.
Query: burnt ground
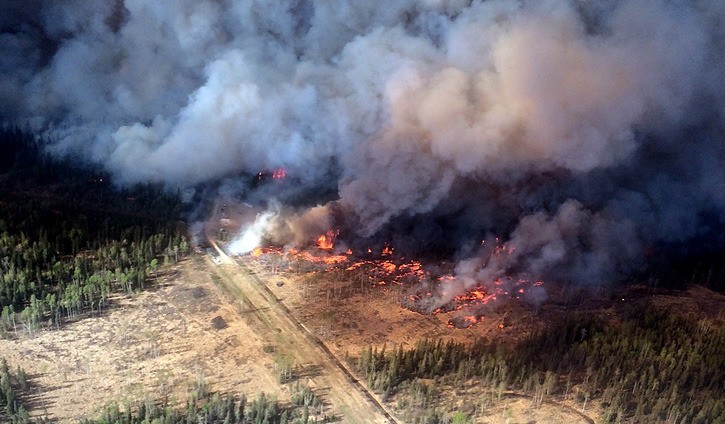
(348, 320)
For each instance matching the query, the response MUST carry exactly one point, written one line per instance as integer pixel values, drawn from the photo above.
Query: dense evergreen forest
(652, 366)
(68, 239)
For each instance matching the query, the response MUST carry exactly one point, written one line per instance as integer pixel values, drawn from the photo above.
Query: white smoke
(252, 235)
(597, 123)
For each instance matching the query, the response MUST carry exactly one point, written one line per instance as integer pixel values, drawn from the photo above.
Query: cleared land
(233, 323)
(349, 399)
(154, 345)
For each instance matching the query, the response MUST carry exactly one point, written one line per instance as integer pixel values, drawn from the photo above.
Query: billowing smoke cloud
(587, 133)
(253, 234)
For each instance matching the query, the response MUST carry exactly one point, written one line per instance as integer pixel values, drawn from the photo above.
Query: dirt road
(312, 360)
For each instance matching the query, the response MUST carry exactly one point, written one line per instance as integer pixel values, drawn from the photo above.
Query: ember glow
(475, 301)
(417, 289)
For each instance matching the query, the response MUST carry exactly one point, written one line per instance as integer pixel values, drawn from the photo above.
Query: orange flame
(470, 319)
(388, 267)
(326, 241)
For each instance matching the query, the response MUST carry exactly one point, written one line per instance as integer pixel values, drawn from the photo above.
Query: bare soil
(296, 345)
(154, 345)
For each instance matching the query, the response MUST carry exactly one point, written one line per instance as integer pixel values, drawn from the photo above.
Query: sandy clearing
(154, 345)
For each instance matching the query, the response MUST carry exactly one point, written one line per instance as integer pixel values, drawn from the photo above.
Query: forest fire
(418, 289)
(472, 305)
(477, 296)
(327, 241)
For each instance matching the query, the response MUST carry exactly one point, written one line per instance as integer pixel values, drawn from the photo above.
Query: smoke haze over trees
(589, 134)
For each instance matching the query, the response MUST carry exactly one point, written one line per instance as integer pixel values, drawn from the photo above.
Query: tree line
(213, 408)
(38, 283)
(227, 409)
(201, 407)
(68, 239)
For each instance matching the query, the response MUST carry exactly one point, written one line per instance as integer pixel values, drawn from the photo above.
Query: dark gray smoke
(587, 133)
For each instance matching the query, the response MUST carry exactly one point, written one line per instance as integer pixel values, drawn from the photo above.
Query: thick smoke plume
(587, 133)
